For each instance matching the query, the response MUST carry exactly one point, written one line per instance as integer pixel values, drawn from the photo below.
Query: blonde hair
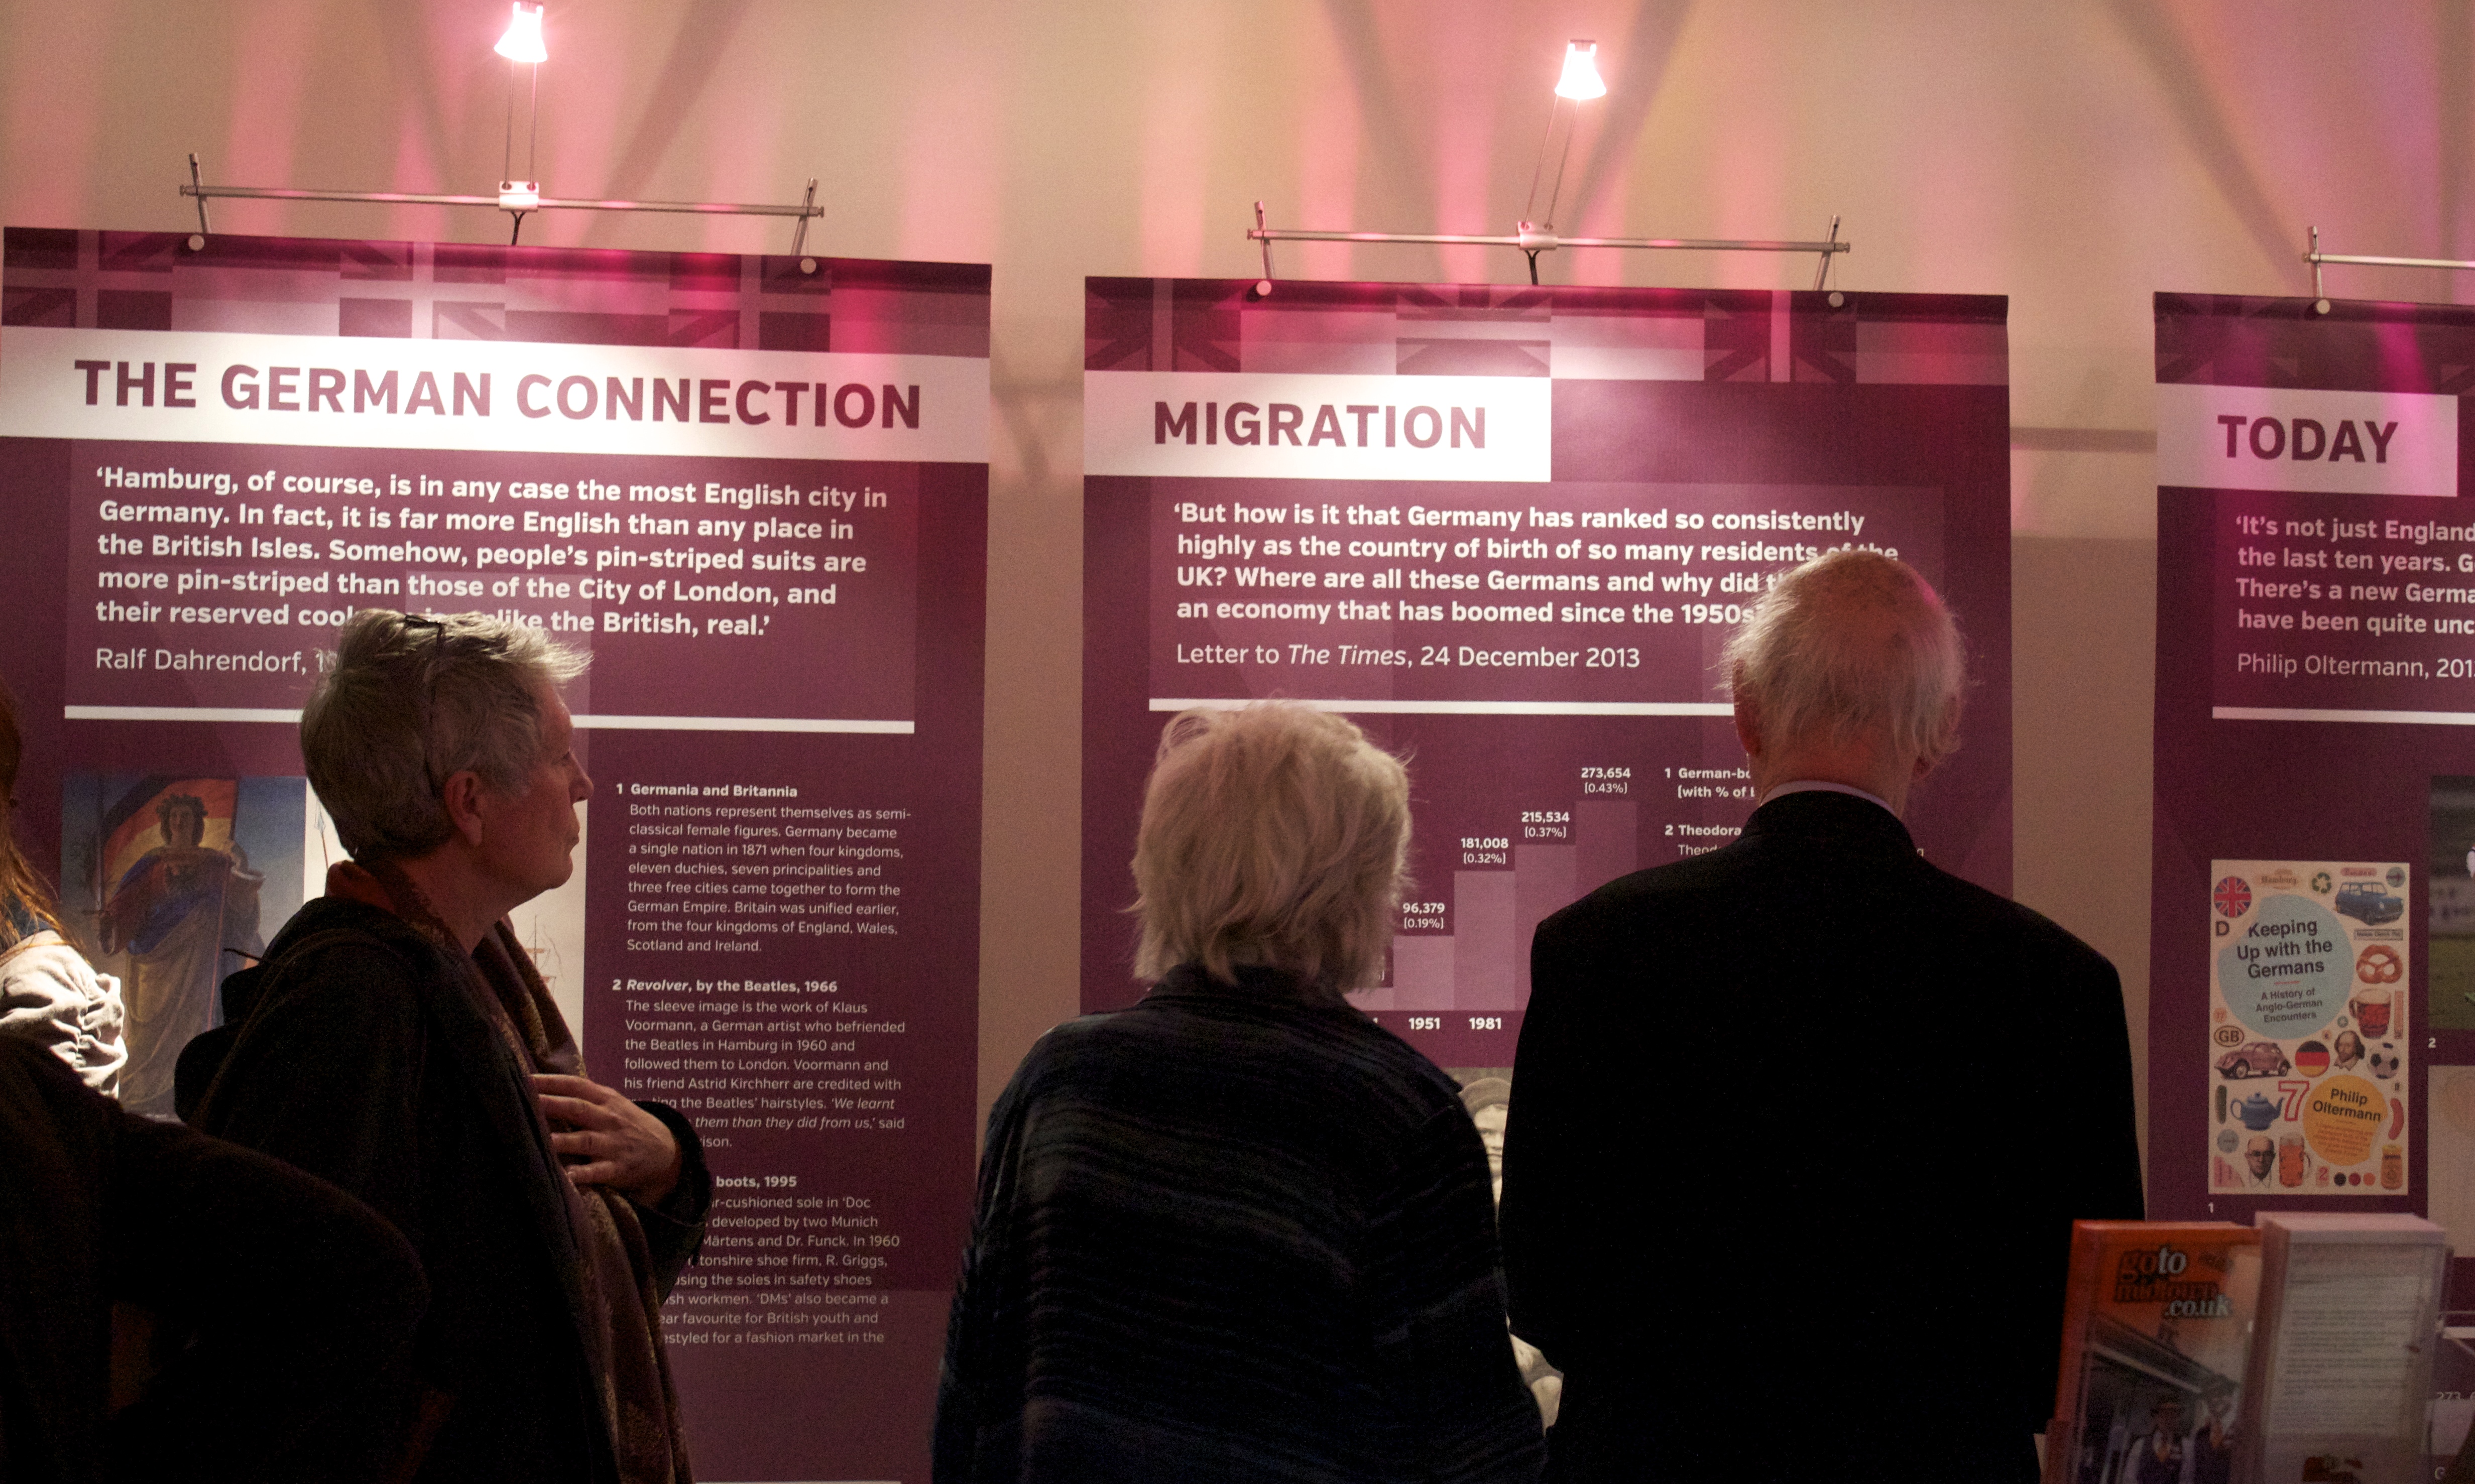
(1272, 836)
(1851, 643)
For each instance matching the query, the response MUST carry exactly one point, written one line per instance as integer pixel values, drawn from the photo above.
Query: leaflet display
(754, 491)
(1506, 531)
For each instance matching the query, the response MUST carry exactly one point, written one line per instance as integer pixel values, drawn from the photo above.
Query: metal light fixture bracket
(1534, 235)
(1532, 240)
(515, 197)
(2315, 257)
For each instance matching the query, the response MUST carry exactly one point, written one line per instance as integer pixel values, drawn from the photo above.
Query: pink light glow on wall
(1330, 142)
(1475, 62)
(1175, 170)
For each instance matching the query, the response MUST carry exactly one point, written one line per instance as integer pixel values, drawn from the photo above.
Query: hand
(603, 1139)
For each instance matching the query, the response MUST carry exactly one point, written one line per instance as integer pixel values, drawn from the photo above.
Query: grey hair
(410, 702)
(1271, 836)
(1851, 644)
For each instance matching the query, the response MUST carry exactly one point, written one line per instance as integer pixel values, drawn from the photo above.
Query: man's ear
(461, 796)
(1748, 716)
(1944, 741)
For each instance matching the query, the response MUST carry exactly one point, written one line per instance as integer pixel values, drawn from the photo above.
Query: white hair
(413, 700)
(1271, 836)
(1851, 644)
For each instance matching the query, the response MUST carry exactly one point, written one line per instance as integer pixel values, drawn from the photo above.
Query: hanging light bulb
(522, 41)
(1579, 82)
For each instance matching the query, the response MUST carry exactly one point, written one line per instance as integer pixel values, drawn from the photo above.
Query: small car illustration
(2255, 1058)
(2369, 903)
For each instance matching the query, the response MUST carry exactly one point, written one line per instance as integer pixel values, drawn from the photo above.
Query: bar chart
(1552, 857)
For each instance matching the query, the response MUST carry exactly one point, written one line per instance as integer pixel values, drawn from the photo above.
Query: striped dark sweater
(1232, 1233)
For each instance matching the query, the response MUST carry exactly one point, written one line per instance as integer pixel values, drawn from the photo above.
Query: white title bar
(2336, 442)
(203, 386)
(1172, 423)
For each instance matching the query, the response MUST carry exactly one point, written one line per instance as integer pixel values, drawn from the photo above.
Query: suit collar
(1822, 786)
(1841, 819)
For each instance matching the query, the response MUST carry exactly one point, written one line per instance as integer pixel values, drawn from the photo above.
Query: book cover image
(2309, 1051)
(2156, 1333)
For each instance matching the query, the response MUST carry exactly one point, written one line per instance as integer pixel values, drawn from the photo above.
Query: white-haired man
(1754, 1277)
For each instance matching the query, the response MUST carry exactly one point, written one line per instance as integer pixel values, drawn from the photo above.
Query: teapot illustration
(2256, 1111)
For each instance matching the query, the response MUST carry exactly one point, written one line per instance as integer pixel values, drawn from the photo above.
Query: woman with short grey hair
(413, 700)
(399, 1042)
(1239, 1232)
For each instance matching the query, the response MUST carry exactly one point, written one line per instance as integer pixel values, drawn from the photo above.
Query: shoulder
(326, 926)
(47, 959)
(342, 957)
(337, 1010)
(51, 995)
(1332, 1050)
(1390, 1070)
(1998, 923)
(1630, 900)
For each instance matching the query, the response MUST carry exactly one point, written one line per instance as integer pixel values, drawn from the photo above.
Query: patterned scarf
(625, 1349)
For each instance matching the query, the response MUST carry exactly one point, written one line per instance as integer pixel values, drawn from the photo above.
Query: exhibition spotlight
(1579, 82)
(522, 41)
(1534, 234)
(522, 45)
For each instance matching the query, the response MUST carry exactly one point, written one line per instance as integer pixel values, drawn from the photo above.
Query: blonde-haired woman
(49, 994)
(1239, 1232)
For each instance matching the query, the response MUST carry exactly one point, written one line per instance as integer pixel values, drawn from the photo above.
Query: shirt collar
(1821, 786)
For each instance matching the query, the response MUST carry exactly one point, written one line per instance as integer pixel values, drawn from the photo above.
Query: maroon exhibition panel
(755, 490)
(1506, 531)
(2312, 1020)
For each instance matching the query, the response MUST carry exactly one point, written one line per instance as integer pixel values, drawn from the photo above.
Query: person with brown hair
(1239, 1232)
(49, 993)
(399, 1042)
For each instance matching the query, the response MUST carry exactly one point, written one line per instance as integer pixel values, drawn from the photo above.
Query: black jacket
(277, 1298)
(357, 1061)
(1798, 1130)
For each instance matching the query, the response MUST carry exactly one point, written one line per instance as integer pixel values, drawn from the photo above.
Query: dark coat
(357, 1059)
(1232, 1233)
(277, 1297)
(1798, 1130)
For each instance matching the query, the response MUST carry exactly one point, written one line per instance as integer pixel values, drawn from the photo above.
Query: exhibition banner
(1506, 531)
(2312, 1011)
(754, 491)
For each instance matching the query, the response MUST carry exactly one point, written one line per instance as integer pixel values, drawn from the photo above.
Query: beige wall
(2075, 157)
